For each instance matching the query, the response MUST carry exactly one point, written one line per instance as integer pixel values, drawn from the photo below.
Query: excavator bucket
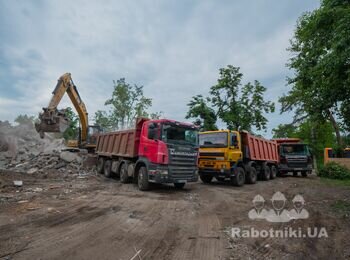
(52, 122)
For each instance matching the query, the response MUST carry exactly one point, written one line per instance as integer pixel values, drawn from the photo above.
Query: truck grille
(182, 166)
(296, 161)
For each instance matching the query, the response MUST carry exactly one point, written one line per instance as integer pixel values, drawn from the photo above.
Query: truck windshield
(179, 134)
(213, 140)
(294, 149)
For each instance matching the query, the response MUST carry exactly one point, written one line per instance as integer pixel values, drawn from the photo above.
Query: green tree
(240, 107)
(126, 104)
(25, 119)
(284, 131)
(320, 61)
(102, 119)
(72, 131)
(205, 116)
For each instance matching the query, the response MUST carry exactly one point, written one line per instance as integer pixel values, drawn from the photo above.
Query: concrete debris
(18, 183)
(22, 150)
(70, 157)
(32, 170)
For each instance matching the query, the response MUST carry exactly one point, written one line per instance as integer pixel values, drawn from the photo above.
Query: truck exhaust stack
(52, 122)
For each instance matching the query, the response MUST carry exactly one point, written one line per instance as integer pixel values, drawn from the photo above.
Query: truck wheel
(124, 178)
(206, 178)
(266, 173)
(179, 185)
(251, 176)
(295, 174)
(273, 174)
(304, 173)
(142, 179)
(107, 168)
(239, 178)
(100, 165)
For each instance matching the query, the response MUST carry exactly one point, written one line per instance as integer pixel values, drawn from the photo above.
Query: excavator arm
(54, 120)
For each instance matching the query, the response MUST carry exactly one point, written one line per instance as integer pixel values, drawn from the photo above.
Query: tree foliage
(72, 131)
(102, 119)
(24, 119)
(204, 115)
(126, 104)
(241, 107)
(321, 51)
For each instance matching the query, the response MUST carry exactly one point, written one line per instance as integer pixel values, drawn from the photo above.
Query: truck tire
(251, 176)
(266, 173)
(295, 174)
(206, 178)
(124, 177)
(239, 178)
(304, 173)
(100, 165)
(142, 179)
(179, 185)
(107, 168)
(273, 174)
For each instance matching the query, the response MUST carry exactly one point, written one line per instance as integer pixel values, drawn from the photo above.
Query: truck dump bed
(259, 149)
(124, 143)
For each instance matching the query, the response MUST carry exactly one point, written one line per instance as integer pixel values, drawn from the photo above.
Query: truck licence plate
(181, 181)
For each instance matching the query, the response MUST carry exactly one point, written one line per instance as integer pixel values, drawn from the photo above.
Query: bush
(334, 170)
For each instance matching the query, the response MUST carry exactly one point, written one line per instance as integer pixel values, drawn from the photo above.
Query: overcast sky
(173, 48)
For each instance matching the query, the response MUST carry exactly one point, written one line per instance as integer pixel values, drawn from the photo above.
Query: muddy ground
(57, 216)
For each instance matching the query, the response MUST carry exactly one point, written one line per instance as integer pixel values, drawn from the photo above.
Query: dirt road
(90, 217)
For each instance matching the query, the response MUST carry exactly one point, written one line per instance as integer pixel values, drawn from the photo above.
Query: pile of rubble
(22, 150)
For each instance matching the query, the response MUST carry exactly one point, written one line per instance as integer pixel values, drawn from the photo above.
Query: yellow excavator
(54, 120)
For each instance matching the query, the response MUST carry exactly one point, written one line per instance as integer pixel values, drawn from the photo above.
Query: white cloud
(174, 49)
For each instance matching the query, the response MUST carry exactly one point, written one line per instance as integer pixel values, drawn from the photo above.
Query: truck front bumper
(167, 174)
(222, 173)
(284, 168)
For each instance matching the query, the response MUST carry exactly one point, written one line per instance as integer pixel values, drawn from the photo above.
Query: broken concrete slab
(18, 183)
(70, 157)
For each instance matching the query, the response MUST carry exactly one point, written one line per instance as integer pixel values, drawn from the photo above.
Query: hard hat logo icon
(278, 212)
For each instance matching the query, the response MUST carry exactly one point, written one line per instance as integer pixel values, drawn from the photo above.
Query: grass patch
(335, 182)
(341, 207)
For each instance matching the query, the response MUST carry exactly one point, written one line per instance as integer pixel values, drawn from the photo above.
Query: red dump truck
(155, 151)
(294, 157)
(236, 156)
